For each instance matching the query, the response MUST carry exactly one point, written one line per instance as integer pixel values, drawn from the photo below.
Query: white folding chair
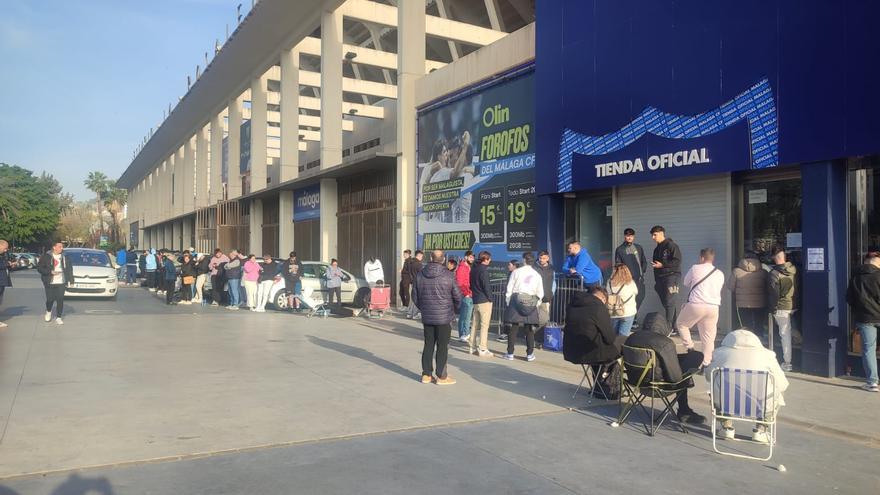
(745, 396)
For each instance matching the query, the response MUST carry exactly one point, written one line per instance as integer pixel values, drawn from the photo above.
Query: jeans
(436, 336)
(783, 321)
(623, 326)
(480, 325)
(131, 273)
(514, 333)
(217, 289)
(169, 290)
(55, 294)
(869, 350)
(464, 316)
(234, 291)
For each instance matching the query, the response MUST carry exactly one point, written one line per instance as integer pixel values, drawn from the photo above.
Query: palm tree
(97, 183)
(114, 201)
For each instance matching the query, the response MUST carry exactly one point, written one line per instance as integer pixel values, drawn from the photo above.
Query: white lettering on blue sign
(699, 156)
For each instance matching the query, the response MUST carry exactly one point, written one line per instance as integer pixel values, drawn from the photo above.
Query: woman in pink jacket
(251, 276)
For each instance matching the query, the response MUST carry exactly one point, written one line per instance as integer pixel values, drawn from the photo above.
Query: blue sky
(82, 82)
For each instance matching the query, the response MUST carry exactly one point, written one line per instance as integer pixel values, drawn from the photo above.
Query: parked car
(353, 288)
(27, 260)
(93, 273)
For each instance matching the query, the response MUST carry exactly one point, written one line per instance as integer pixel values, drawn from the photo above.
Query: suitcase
(553, 337)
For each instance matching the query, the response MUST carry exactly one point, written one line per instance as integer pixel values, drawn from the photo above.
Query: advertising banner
(244, 164)
(307, 203)
(476, 179)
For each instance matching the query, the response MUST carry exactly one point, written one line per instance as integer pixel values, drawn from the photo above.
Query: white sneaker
(507, 356)
(786, 367)
(47, 317)
(760, 436)
(59, 321)
(3, 325)
(727, 433)
(530, 357)
(358, 311)
(871, 387)
(485, 353)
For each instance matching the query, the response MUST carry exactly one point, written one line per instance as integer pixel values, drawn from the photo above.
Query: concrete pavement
(187, 399)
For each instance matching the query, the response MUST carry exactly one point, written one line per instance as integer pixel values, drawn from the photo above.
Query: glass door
(595, 229)
(864, 222)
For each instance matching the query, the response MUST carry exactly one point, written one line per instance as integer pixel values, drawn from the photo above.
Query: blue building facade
(744, 124)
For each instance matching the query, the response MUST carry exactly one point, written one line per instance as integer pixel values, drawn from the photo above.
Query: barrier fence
(564, 288)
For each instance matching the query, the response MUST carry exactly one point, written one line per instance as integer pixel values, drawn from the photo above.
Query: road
(135, 397)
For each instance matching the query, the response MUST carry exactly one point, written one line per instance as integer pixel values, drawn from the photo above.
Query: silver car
(93, 273)
(353, 288)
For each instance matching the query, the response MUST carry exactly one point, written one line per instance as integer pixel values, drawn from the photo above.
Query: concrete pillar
(188, 233)
(233, 187)
(285, 222)
(169, 235)
(216, 163)
(256, 227)
(177, 175)
(188, 178)
(259, 129)
(176, 231)
(329, 205)
(165, 190)
(201, 177)
(289, 168)
(411, 66)
(331, 89)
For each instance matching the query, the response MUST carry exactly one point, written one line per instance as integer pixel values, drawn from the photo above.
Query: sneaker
(427, 378)
(760, 436)
(358, 311)
(727, 433)
(871, 387)
(507, 356)
(502, 338)
(445, 381)
(691, 417)
(484, 353)
(786, 367)
(152, 290)
(47, 317)
(59, 321)
(466, 339)
(409, 317)
(530, 357)
(3, 325)
(214, 303)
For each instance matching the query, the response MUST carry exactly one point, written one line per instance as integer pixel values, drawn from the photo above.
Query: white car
(93, 274)
(353, 288)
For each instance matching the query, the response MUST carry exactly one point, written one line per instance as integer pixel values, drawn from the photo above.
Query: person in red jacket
(463, 280)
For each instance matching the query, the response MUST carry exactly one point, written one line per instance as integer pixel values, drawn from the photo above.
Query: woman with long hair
(622, 292)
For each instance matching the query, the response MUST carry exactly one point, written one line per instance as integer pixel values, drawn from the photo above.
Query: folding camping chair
(641, 381)
(592, 377)
(743, 395)
(312, 304)
(380, 301)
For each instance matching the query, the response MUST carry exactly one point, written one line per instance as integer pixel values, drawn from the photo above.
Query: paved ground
(136, 397)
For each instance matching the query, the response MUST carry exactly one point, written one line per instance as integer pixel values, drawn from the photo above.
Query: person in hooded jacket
(748, 284)
(780, 295)
(151, 266)
(405, 279)
(415, 266)
(437, 296)
(170, 278)
(863, 296)
(741, 349)
(589, 334)
(187, 278)
(525, 289)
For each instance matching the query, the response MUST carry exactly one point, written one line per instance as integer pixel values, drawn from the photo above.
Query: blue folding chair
(747, 396)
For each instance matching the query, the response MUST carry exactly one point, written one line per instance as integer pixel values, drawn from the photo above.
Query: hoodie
(150, 261)
(589, 337)
(436, 294)
(741, 349)
(669, 254)
(863, 294)
(780, 291)
(748, 283)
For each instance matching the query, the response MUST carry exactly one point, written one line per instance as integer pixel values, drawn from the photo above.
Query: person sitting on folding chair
(590, 339)
(742, 349)
(671, 364)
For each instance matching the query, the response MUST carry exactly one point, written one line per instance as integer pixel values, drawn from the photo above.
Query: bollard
(832, 357)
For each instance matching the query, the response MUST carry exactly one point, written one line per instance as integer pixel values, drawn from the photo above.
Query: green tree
(97, 183)
(29, 206)
(114, 202)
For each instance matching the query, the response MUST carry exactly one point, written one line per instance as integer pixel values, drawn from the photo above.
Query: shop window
(595, 229)
(864, 222)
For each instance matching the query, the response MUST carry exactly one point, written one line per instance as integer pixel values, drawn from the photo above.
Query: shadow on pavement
(365, 355)
(75, 485)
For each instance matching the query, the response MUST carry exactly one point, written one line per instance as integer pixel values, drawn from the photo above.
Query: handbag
(189, 280)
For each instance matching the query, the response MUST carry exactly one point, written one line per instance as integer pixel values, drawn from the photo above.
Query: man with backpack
(705, 283)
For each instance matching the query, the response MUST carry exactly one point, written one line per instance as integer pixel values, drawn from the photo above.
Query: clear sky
(82, 82)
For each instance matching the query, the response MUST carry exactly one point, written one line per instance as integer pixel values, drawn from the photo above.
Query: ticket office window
(864, 222)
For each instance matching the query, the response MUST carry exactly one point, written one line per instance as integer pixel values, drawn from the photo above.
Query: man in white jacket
(741, 349)
(373, 271)
(705, 283)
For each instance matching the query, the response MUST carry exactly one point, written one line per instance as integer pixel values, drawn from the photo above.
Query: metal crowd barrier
(565, 288)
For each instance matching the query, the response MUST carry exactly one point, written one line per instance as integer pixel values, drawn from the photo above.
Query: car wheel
(281, 302)
(359, 297)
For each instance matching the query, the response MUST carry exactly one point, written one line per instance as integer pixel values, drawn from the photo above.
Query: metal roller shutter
(696, 214)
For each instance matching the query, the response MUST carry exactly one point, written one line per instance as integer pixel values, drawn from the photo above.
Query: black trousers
(152, 279)
(217, 289)
(752, 318)
(169, 290)
(667, 289)
(404, 292)
(640, 284)
(334, 290)
(688, 361)
(55, 295)
(514, 333)
(186, 292)
(436, 337)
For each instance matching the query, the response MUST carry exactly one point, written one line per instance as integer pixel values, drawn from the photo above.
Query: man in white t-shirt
(705, 283)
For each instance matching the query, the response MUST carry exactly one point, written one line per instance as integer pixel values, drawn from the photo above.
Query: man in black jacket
(405, 280)
(633, 256)
(56, 274)
(863, 295)
(481, 291)
(667, 272)
(415, 266)
(589, 336)
(670, 364)
(437, 296)
(5, 264)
